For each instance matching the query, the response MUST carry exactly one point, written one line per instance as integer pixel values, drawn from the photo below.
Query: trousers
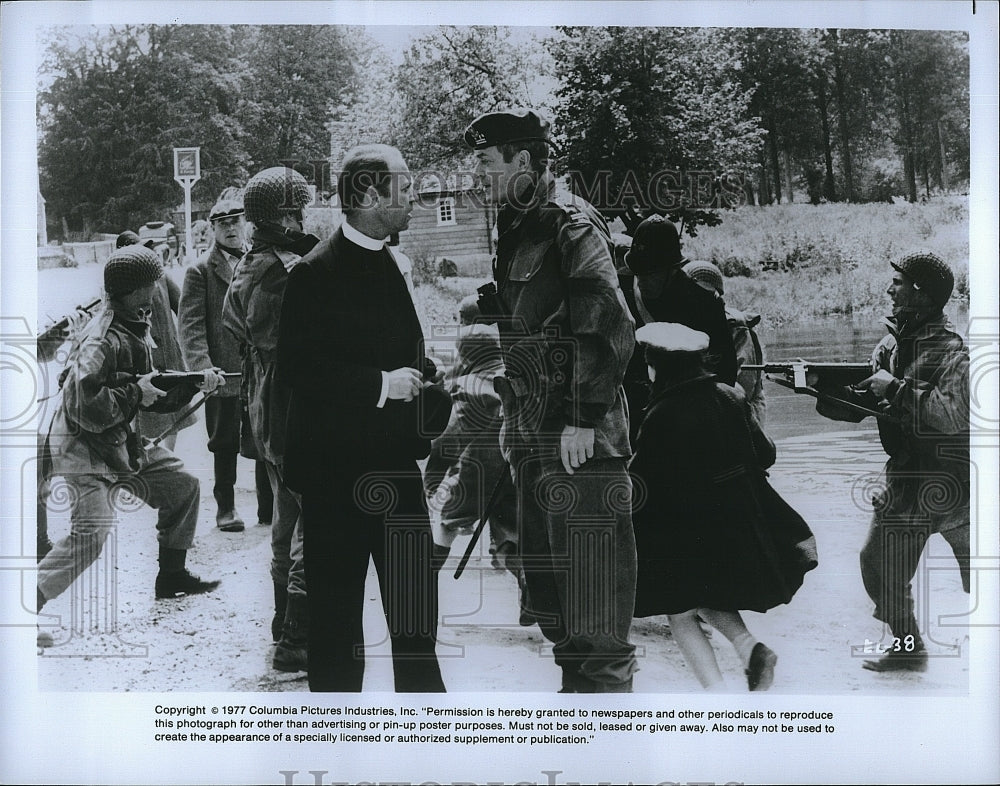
(579, 560)
(891, 554)
(287, 564)
(378, 513)
(95, 501)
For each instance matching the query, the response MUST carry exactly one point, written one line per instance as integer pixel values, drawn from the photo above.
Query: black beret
(499, 128)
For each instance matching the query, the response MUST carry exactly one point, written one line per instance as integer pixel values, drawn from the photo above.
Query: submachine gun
(818, 379)
(169, 381)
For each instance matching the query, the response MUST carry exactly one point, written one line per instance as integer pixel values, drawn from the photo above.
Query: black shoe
(290, 655)
(228, 521)
(44, 639)
(760, 671)
(262, 523)
(180, 583)
(899, 660)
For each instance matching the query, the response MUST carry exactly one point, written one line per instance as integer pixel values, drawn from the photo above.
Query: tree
(451, 76)
(655, 118)
(116, 106)
(929, 73)
(296, 76)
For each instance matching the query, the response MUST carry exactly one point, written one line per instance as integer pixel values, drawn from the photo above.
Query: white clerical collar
(361, 239)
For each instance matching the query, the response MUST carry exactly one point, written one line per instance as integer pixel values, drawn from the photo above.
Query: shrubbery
(797, 262)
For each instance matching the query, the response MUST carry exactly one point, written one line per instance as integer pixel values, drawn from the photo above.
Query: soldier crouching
(94, 444)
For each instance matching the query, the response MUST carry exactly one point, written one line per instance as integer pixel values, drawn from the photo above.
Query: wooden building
(448, 222)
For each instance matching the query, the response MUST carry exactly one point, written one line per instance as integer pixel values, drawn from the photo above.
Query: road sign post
(187, 172)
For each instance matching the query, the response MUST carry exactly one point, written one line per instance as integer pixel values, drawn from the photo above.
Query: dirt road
(221, 641)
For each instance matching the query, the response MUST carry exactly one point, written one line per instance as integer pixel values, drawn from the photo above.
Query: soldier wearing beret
(95, 442)
(566, 337)
(921, 383)
(206, 344)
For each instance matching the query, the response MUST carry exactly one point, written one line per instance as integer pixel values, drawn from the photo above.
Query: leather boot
(291, 653)
(911, 655)
(174, 580)
(280, 608)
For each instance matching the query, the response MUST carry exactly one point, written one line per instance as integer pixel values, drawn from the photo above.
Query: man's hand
(404, 384)
(213, 379)
(877, 382)
(150, 393)
(576, 445)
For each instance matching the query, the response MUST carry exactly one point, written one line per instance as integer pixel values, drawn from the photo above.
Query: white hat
(671, 337)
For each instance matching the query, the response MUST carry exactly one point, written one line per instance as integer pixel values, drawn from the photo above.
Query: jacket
(568, 335)
(748, 352)
(251, 313)
(205, 341)
(926, 431)
(710, 530)
(95, 429)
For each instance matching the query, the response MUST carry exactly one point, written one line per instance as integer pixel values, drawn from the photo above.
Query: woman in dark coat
(712, 536)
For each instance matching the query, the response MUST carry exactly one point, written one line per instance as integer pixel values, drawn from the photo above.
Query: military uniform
(925, 399)
(927, 486)
(251, 310)
(566, 342)
(95, 444)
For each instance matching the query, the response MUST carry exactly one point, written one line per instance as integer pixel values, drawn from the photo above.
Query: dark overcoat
(347, 316)
(710, 531)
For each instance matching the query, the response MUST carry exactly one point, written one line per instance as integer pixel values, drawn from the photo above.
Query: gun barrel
(62, 324)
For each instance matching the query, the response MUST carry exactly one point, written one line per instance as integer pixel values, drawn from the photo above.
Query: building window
(446, 212)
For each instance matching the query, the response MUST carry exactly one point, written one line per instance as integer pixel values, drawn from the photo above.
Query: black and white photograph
(379, 377)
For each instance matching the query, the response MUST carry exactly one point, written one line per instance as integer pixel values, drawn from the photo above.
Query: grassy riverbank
(799, 262)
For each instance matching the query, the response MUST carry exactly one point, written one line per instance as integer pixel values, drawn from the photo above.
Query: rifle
(56, 329)
(181, 416)
(795, 375)
(168, 380)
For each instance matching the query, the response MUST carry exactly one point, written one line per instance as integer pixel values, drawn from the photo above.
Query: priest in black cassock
(351, 350)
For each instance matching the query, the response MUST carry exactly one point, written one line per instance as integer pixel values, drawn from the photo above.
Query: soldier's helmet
(129, 268)
(929, 273)
(274, 191)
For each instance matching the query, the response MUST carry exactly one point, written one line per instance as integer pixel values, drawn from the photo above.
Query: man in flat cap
(206, 344)
(921, 384)
(95, 440)
(566, 337)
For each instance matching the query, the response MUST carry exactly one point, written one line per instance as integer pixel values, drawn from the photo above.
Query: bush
(795, 261)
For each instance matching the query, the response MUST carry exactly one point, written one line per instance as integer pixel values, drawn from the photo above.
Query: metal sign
(187, 171)
(187, 164)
